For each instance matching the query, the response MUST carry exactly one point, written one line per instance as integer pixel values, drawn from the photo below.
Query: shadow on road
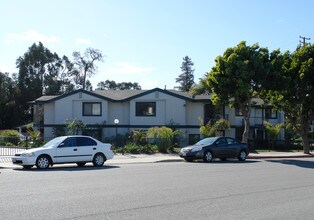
(228, 161)
(299, 163)
(67, 168)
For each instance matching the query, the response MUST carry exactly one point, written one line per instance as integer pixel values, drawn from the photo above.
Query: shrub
(9, 137)
(211, 128)
(163, 137)
(132, 148)
(272, 130)
(139, 137)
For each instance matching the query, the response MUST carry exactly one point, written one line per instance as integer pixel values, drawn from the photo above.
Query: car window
(85, 141)
(231, 141)
(221, 141)
(207, 141)
(69, 142)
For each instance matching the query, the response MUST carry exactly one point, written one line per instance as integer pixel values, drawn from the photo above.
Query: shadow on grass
(299, 163)
(72, 168)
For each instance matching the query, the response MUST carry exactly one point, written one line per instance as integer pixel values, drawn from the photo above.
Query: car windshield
(207, 141)
(54, 142)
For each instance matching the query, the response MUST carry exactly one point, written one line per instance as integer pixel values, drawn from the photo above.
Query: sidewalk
(5, 162)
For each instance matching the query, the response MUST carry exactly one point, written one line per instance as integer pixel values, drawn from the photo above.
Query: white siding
(71, 108)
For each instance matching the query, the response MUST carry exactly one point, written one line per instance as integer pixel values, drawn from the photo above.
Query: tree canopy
(112, 85)
(292, 88)
(237, 77)
(85, 65)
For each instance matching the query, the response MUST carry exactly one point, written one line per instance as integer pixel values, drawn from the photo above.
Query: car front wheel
(42, 162)
(188, 159)
(208, 156)
(242, 155)
(99, 160)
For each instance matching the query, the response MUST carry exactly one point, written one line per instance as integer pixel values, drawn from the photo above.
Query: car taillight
(111, 147)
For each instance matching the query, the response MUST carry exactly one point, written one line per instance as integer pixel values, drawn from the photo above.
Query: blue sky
(144, 41)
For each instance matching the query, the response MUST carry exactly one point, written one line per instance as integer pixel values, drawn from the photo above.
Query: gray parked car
(215, 147)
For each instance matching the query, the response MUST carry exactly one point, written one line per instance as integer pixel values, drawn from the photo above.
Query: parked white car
(66, 149)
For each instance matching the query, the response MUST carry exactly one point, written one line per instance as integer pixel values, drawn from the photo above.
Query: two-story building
(142, 109)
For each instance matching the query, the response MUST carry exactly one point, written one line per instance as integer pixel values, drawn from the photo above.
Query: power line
(303, 41)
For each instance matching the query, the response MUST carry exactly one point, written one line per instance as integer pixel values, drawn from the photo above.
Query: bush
(132, 148)
(163, 138)
(10, 133)
(9, 138)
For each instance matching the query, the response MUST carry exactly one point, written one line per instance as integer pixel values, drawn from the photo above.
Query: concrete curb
(278, 157)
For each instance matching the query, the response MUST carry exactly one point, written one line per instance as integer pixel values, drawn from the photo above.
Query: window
(221, 141)
(146, 109)
(238, 112)
(270, 113)
(83, 141)
(91, 109)
(69, 142)
(231, 141)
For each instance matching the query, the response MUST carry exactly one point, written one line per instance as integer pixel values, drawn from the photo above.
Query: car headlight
(196, 149)
(28, 154)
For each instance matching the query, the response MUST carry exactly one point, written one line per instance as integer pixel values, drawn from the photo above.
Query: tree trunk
(306, 143)
(246, 115)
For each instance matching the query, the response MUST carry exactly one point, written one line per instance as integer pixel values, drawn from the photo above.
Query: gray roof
(125, 95)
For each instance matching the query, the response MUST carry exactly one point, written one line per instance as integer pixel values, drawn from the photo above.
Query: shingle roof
(125, 95)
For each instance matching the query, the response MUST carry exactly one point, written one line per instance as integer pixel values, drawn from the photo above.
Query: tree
(86, 64)
(112, 85)
(40, 72)
(293, 89)
(7, 101)
(186, 78)
(237, 77)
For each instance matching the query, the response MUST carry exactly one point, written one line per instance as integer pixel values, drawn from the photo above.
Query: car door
(221, 148)
(67, 151)
(233, 147)
(86, 148)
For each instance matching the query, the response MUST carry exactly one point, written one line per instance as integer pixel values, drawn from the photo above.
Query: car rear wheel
(42, 162)
(242, 155)
(208, 156)
(99, 160)
(80, 164)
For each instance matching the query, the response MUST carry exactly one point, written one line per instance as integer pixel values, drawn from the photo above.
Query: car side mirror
(61, 145)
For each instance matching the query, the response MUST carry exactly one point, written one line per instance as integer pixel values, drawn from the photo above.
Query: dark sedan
(215, 147)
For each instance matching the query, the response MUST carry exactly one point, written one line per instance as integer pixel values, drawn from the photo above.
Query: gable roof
(125, 95)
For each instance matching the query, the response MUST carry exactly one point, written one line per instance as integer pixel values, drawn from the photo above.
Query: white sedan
(66, 149)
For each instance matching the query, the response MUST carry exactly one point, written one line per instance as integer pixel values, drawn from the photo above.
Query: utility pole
(303, 40)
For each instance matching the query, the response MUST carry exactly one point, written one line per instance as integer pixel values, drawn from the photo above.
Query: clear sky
(144, 41)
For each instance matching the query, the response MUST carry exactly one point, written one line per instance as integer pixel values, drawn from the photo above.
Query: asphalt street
(255, 189)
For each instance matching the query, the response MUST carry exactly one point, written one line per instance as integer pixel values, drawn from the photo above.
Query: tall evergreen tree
(186, 78)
